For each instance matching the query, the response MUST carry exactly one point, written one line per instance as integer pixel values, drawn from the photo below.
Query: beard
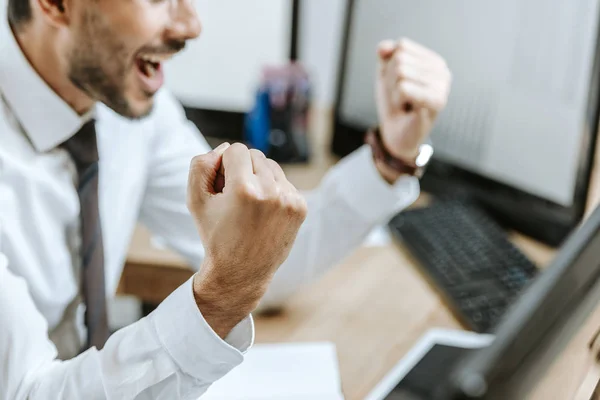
(91, 78)
(98, 65)
(101, 61)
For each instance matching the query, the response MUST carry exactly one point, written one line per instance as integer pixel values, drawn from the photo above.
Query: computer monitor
(519, 132)
(537, 327)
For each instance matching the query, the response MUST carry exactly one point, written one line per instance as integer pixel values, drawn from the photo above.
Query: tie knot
(83, 146)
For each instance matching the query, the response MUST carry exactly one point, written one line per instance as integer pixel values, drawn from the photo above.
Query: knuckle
(403, 43)
(275, 167)
(236, 147)
(295, 205)
(257, 153)
(402, 72)
(400, 58)
(302, 208)
(199, 165)
(404, 89)
(274, 164)
(273, 195)
(198, 161)
(436, 105)
(246, 193)
(289, 210)
(288, 203)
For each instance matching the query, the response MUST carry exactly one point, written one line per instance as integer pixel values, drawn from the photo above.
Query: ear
(56, 11)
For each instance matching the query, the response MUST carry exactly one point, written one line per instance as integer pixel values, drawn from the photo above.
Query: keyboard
(468, 256)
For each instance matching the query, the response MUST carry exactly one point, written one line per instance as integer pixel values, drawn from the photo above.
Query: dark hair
(19, 12)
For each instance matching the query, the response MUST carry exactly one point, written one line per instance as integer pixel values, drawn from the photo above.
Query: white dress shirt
(172, 353)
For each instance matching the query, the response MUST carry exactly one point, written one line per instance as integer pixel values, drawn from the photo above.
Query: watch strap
(373, 139)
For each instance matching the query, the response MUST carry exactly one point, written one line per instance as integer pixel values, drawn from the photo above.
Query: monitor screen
(435, 366)
(521, 71)
(523, 109)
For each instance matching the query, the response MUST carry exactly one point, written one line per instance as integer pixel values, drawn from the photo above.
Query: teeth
(155, 58)
(150, 70)
(151, 63)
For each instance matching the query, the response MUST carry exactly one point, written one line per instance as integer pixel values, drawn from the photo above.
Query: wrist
(390, 166)
(388, 174)
(404, 146)
(223, 307)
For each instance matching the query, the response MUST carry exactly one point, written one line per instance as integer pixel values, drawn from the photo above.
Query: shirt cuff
(192, 343)
(368, 193)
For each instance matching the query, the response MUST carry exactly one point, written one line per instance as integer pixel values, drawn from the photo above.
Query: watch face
(425, 153)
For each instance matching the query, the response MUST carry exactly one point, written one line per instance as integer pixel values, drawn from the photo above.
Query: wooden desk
(374, 306)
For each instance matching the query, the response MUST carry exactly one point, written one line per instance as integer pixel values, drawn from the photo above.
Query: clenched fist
(412, 87)
(248, 215)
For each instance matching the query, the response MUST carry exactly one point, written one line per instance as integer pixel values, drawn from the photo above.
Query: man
(80, 82)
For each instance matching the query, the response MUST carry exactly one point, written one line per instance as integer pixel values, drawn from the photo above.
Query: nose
(185, 23)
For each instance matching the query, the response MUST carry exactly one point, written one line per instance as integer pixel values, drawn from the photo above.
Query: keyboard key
(469, 257)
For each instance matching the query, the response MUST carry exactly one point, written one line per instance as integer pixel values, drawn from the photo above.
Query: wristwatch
(414, 167)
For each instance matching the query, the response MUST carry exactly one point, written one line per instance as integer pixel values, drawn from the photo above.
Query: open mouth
(150, 71)
(150, 65)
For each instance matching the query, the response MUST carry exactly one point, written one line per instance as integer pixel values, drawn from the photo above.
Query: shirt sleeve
(352, 199)
(172, 353)
(350, 202)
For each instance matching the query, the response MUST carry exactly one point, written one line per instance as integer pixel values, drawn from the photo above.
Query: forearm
(224, 306)
(352, 199)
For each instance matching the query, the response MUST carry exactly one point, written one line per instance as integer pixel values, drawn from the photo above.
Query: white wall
(321, 32)
(221, 69)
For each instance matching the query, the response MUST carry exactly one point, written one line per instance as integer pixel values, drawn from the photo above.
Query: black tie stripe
(83, 149)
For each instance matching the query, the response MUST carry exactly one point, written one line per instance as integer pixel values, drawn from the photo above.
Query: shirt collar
(46, 118)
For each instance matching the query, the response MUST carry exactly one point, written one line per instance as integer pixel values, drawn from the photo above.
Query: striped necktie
(83, 149)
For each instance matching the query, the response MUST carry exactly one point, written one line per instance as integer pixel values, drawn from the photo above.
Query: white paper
(282, 371)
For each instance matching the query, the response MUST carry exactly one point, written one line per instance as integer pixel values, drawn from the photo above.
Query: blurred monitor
(553, 321)
(519, 131)
(538, 327)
